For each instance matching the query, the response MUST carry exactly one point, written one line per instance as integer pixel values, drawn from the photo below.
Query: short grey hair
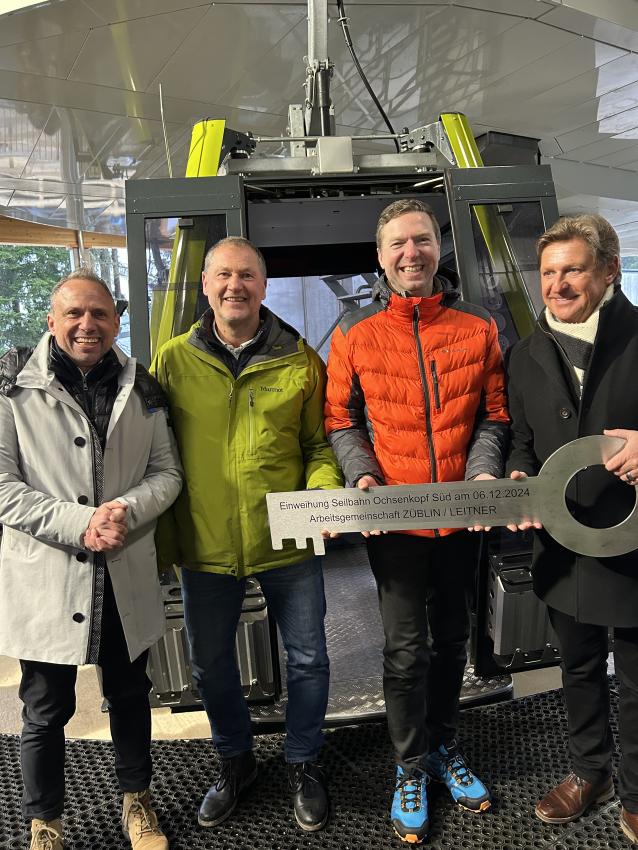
(236, 242)
(407, 205)
(594, 230)
(81, 274)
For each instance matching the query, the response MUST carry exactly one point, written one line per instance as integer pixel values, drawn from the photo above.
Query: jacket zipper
(426, 397)
(92, 437)
(85, 393)
(251, 421)
(435, 384)
(236, 543)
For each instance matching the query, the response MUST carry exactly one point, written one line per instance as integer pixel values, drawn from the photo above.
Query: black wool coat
(547, 413)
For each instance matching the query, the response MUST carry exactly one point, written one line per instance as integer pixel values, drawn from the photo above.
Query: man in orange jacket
(416, 395)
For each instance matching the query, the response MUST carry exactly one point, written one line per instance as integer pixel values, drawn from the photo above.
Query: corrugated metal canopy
(80, 111)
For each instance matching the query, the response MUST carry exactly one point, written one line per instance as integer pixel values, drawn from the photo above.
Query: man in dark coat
(573, 377)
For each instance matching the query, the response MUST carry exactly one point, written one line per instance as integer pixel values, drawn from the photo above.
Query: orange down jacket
(416, 390)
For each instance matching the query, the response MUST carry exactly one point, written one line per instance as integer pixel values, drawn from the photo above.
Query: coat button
(79, 618)
(83, 500)
(80, 441)
(565, 413)
(81, 557)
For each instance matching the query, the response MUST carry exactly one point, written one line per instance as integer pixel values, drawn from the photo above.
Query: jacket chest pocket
(453, 373)
(269, 419)
(434, 376)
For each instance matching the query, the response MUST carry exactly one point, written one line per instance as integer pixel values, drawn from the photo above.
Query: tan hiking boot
(139, 822)
(46, 834)
(629, 824)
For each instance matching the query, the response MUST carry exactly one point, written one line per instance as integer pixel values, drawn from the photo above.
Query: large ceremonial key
(460, 504)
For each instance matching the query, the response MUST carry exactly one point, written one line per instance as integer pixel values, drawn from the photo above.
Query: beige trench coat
(46, 465)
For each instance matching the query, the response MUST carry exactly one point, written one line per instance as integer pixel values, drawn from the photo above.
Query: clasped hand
(107, 528)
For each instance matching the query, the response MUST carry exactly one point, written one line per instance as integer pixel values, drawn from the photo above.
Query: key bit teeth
(320, 545)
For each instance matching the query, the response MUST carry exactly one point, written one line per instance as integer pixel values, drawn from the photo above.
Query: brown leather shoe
(629, 825)
(568, 800)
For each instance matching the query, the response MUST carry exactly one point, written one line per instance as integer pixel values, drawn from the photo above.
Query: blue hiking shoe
(448, 766)
(409, 813)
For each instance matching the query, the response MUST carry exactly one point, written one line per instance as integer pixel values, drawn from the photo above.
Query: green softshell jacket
(240, 438)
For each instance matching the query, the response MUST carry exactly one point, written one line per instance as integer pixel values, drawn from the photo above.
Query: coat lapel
(36, 375)
(544, 350)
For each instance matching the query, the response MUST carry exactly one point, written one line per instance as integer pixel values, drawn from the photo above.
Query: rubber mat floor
(518, 747)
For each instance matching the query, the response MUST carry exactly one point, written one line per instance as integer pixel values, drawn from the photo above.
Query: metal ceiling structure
(80, 107)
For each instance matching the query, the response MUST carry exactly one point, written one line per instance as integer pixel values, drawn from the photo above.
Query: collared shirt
(235, 358)
(235, 350)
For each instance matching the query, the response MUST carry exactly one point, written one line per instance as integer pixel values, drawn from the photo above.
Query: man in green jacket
(246, 397)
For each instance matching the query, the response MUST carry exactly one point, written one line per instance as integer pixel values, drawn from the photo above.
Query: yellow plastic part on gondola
(492, 227)
(173, 308)
(205, 150)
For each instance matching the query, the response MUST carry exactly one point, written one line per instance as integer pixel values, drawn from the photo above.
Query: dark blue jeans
(295, 597)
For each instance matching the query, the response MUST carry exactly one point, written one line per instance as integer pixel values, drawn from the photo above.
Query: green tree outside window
(27, 276)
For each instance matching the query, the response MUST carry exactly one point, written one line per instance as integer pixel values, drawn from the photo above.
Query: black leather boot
(309, 794)
(235, 774)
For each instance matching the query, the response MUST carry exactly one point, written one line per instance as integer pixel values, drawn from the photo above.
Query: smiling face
(409, 253)
(83, 321)
(572, 284)
(235, 286)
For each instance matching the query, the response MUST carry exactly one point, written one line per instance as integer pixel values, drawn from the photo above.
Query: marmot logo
(271, 389)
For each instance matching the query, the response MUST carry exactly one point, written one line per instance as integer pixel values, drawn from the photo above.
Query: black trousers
(425, 587)
(48, 694)
(586, 687)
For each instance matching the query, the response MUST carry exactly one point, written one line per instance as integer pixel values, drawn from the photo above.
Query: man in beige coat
(87, 464)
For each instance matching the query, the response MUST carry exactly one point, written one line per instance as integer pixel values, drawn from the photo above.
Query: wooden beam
(14, 231)
(93, 239)
(17, 232)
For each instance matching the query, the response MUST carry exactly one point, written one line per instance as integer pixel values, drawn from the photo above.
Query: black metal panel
(183, 195)
(324, 221)
(500, 183)
(330, 230)
(501, 186)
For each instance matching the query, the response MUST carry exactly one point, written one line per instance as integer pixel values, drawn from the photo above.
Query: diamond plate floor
(519, 748)
(355, 645)
(355, 642)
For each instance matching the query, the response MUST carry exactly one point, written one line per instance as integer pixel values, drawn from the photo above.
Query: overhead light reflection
(429, 182)
(7, 6)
